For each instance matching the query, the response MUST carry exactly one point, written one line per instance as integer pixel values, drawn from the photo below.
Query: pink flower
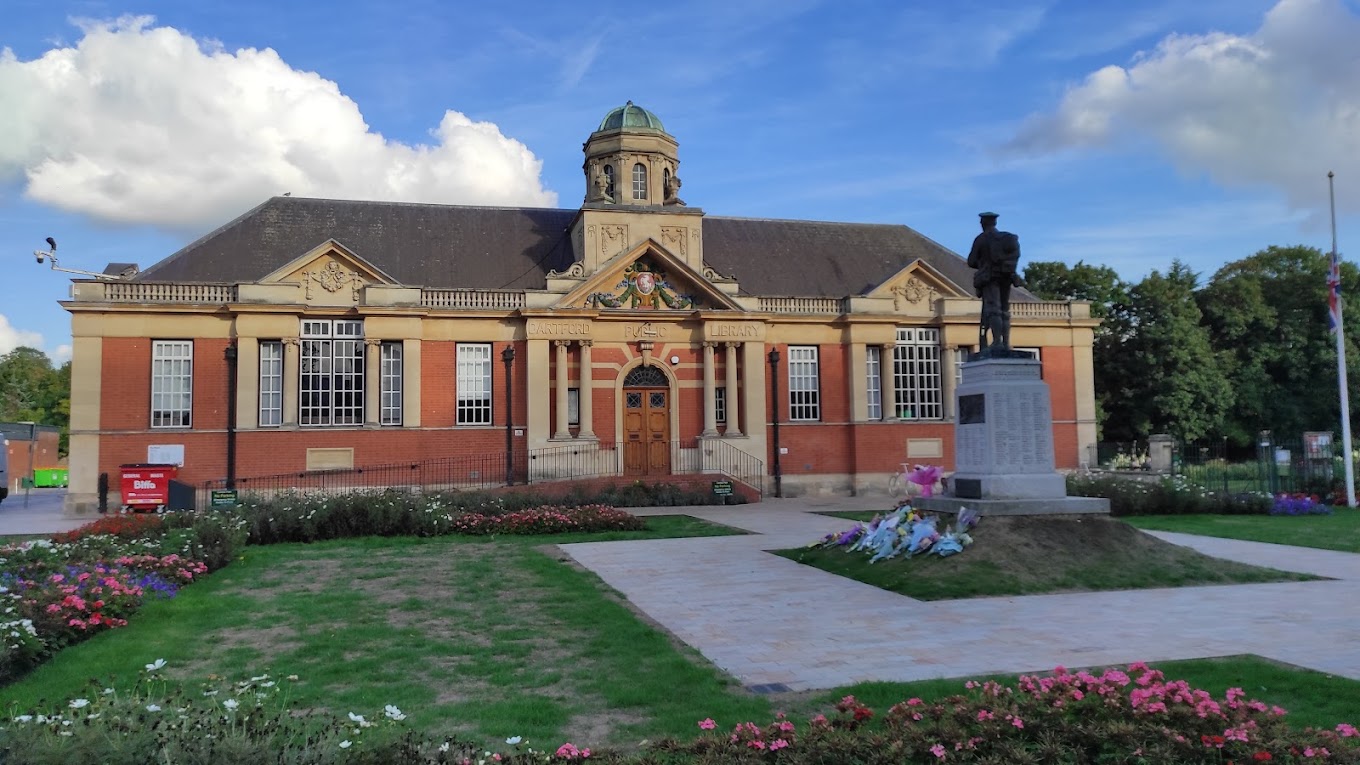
(938, 751)
(1345, 729)
(1017, 722)
(1078, 695)
(985, 715)
(707, 724)
(778, 744)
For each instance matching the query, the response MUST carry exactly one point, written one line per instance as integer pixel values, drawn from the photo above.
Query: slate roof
(449, 247)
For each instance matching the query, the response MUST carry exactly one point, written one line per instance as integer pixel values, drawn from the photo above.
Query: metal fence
(1270, 465)
(577, 461)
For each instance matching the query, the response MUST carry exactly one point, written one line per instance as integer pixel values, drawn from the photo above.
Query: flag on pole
(1334, 293)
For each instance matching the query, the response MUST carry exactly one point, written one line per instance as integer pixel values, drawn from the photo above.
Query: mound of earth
(1028, 555)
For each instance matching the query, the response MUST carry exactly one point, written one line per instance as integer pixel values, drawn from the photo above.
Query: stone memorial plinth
(1003, 445)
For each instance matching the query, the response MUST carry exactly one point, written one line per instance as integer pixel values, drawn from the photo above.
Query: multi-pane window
(271, 383)
(609, 177)
(804, 391)
(391, 390)
(873, 380)
(639, 181)
(331, 384)
(172, 383)
(720, 405)
(960, 358)
(474, 383)
(917, 394)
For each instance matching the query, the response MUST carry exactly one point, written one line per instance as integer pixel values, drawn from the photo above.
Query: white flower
(155, 665)
(345, 744)
(393, 713)
(514, 740)
(23, 718)
(152, 708)
(444, 747)
(292, 677)
(269, 684)
(79, 703)
(356, 718)
(213, 692)
(231, 704)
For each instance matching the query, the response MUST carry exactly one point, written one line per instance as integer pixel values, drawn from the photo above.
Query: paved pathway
(40, 515)
(768, 620)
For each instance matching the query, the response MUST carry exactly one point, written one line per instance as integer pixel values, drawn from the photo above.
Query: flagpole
(1341, 358)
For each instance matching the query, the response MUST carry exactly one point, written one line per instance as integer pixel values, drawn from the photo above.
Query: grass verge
(1338, 531)
(1028, 555)
(483, 638)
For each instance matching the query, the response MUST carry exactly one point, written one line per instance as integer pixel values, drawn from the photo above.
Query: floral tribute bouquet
(905, 532)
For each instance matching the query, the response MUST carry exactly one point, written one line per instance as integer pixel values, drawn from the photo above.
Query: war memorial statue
(995, 255)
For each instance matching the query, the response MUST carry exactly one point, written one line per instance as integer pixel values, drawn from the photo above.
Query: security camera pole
(51, 254)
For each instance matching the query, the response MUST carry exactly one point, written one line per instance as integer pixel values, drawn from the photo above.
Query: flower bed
(1299, 504)
(1174, 495)
(549, 519)
(1136, 717)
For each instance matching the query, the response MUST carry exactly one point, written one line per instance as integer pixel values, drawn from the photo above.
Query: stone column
(949, 359)
(733, 407)
(710, 396)
(291, 382)
(587, 397)
(372, 382)
(885, 381)
(563, 430)
(247, 383)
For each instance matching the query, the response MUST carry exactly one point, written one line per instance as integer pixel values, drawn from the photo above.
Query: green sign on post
(223, 498)
(722, 488)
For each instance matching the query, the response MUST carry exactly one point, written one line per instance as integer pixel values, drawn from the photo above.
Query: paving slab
(767, 620)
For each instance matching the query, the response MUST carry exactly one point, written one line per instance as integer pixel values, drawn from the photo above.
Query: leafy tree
(1267, 313)
(31, 390)
(1111, 303)
(1169, 378)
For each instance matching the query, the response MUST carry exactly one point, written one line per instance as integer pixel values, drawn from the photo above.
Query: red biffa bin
(147, 487)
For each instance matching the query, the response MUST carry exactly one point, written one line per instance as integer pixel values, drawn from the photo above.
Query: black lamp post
(508, 356)
(774, 400)
(230, 355)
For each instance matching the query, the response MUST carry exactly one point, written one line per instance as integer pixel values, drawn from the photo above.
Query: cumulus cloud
(143, 124)
(1279, 107)
(11, 338)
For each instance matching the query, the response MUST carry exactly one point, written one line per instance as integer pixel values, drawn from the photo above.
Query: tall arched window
(609, 174)
(639, 181)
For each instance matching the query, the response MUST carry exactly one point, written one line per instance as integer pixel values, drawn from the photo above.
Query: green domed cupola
(632, 160)
(630, 116)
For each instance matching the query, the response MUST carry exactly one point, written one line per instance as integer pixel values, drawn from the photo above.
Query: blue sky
(1119, 133)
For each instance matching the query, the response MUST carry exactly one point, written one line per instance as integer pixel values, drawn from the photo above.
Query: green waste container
(51, 477)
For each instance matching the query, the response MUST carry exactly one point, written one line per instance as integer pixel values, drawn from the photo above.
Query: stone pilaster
(587, 394)
(563, 430)
(710, 395)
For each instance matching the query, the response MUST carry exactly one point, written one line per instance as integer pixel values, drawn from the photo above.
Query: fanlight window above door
(646, 377)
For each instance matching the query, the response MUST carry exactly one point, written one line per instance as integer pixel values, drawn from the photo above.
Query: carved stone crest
(333, 277)
(913, 291)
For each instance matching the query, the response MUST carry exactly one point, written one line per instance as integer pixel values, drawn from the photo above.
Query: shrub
(1164, 496)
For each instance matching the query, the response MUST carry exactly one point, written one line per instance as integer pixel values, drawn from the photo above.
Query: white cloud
(144, 124)
(11, 338)
(1278, 108)
(61, 355)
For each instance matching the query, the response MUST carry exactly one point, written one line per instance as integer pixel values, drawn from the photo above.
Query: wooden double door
(646, 431)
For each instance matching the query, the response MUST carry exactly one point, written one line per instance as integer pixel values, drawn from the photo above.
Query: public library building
(634, 333)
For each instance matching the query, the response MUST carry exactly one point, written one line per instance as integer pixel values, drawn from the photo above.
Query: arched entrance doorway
(646, 422)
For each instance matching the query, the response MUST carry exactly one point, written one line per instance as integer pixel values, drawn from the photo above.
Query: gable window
(639, 181)
(873, 380)
(271, 383)
(390, 393)
(609, 175)
(804, 390)
(917, 392)
(172, 383)
(331, 388)
(474, 384)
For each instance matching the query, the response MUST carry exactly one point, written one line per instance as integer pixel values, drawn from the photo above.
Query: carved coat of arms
(641, 287)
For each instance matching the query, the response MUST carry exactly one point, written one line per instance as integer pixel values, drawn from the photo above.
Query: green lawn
(1027, 555)
(1338, 531)
(473, 636)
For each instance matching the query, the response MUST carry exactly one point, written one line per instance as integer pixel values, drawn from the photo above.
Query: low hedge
(1172, 495)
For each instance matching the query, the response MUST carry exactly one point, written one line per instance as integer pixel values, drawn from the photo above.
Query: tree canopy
(32, 390)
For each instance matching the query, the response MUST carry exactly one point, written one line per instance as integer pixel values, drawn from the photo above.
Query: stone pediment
(915, 288)
(330, 274)
(647, 278)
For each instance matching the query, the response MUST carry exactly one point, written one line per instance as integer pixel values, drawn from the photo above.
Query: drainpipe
(774, 399)
(230, 355)
(508, 356)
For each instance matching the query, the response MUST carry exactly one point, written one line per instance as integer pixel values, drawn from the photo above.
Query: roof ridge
(393, 203)
(807, 220)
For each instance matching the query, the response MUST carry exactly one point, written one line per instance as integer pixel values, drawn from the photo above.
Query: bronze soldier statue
(995, 255)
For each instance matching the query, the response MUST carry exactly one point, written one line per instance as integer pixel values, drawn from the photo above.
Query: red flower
(1261, 756)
